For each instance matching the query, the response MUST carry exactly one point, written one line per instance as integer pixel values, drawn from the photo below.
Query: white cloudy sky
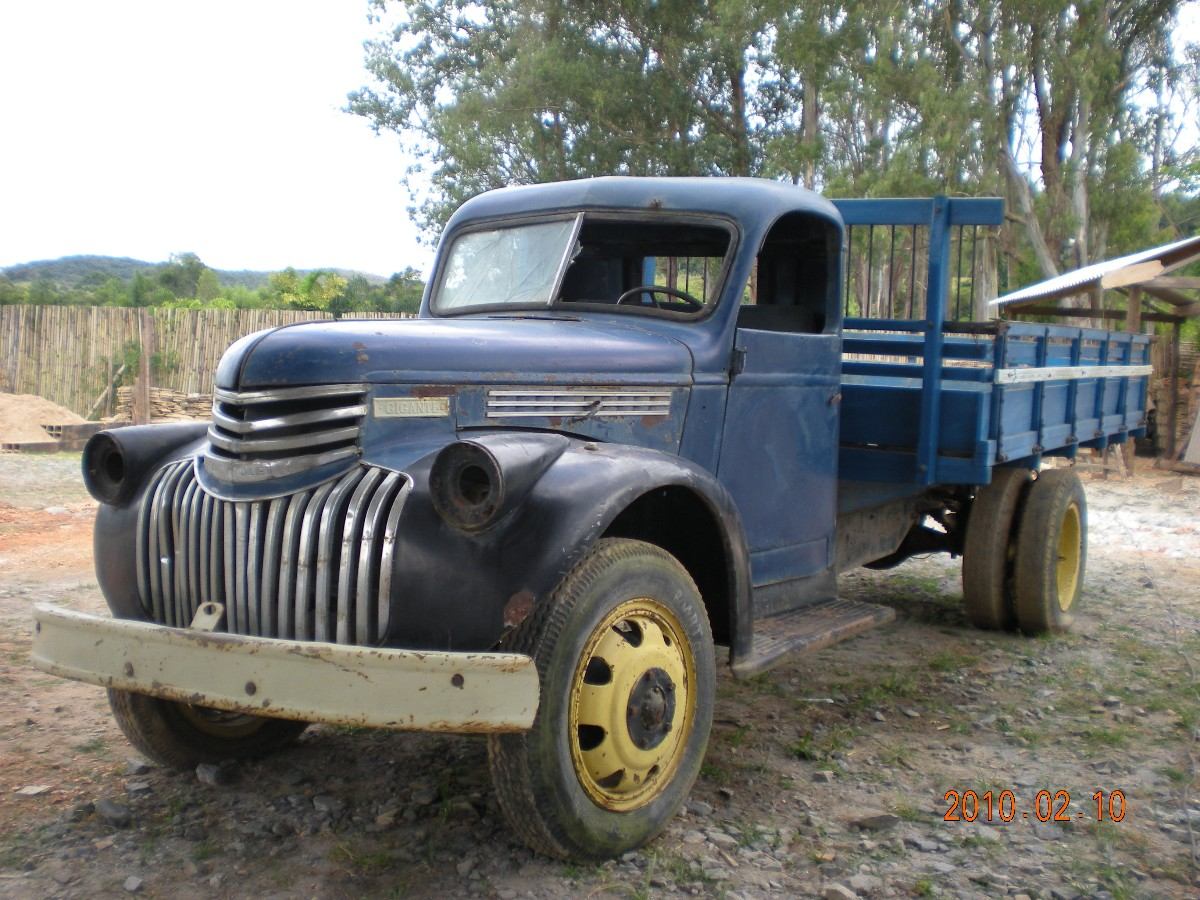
(147, 128)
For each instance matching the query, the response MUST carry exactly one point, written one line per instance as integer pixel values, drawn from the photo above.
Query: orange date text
(1044, 806)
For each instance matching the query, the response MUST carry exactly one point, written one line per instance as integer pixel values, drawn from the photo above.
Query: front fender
(460, 591)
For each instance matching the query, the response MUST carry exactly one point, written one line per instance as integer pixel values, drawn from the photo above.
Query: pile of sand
(22, 415)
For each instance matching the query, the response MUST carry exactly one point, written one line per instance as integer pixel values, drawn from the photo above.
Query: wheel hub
(651, 709)
(631, 705)
(1070, 555)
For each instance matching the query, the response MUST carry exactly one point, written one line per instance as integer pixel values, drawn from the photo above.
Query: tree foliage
(1072, 109)
(185, 282)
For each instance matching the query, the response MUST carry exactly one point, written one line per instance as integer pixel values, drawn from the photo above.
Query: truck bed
(929, 401)
(1007, 393)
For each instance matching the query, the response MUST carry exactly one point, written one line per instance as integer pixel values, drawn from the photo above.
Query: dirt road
(826, 777)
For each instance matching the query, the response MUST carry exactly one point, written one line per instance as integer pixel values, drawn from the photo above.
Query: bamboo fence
(70, 354)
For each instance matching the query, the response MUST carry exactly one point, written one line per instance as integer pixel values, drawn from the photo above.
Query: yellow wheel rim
(632, 705)
(219, 723)
(1070, 552)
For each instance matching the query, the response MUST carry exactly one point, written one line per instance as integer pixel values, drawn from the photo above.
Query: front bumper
(304, 680)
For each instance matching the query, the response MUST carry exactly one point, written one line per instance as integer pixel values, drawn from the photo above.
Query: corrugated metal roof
(1131, 269)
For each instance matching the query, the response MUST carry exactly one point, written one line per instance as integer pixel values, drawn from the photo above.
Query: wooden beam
(1134, 274)
(1173, 297)
(1133, 311)
(1179, 282)
(1069, 313)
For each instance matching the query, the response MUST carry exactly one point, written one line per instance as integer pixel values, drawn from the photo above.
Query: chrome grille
(256, 435)
(583, 403)
(314, 565)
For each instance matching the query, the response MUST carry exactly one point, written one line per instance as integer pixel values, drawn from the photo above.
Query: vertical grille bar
(272, 563)
(315, 565)
(348, 560)
(288, 564)
(144, 552)
(196, 565)
(306, 570)
(166, 548)
(229, 568)
(369, 552)
(179, 520)
(386, 556)
(329, 543)
(254, 566)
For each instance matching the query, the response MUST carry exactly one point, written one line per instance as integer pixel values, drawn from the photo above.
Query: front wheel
(182, 736)
(625, 657)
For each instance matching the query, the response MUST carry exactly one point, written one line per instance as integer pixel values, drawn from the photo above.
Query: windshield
(510, 266)
(636, 263)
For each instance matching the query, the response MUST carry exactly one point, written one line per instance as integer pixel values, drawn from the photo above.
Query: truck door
(780, 445)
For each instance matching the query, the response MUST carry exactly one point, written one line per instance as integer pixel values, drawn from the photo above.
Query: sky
(137, 128)
(144, 129)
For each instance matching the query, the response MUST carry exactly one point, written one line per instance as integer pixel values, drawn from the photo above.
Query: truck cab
(610, 442)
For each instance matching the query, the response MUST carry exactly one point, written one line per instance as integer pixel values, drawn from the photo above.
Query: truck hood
(452, 351)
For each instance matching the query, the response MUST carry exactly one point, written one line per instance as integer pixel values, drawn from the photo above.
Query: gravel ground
(827, 777)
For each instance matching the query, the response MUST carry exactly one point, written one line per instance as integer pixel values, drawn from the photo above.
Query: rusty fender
(303, 680)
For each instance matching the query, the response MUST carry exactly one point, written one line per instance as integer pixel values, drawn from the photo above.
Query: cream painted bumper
(312, 682)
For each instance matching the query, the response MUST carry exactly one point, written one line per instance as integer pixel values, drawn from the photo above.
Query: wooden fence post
(141, 388)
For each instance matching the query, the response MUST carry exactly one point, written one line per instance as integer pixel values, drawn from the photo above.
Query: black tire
(182, 736)
(1051, 552)
(624, 642)
(990, 548)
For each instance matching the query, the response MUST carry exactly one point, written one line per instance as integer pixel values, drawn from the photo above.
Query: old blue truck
(632, 422)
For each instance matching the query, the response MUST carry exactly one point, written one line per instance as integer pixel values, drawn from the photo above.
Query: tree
(181, 274)
(1070, 108)
(11, 293)
(495, 93)
(208, 287)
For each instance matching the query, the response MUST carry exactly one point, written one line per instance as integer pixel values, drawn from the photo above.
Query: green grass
(896, 755)
(1177, 776)
(923, 888)
(909, 813)
(765, 683)
(819, 746)
(737, 737)
(887, 689)
(95, 745)
(204, 850)
(1098, 738)
(362, 861)
(952, 661)
(714, 773)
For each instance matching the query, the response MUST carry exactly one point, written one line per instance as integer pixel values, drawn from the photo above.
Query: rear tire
(181, 736)
(625, 658)
(1051, 552)
(989, 551)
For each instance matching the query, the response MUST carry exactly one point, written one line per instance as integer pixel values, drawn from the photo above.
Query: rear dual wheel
(989, 552)
(1025, 551)
(1051, 552)
(625, 657)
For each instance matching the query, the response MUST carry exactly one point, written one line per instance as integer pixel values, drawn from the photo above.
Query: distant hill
(84, 271)
(75, 271)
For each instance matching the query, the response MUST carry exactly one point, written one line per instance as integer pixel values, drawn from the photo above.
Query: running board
(809, 628)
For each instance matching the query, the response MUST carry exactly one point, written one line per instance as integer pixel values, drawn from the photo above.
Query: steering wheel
(693, 304)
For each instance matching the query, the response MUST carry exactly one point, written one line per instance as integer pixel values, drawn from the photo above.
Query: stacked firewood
(166, 404)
